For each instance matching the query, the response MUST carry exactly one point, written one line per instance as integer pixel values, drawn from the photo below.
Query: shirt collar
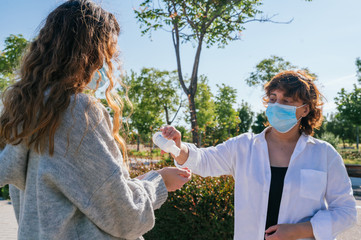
(262, 137)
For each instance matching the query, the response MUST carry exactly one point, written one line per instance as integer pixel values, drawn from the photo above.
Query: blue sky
(325, 36)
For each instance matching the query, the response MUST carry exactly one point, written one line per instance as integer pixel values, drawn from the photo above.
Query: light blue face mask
(282, 117)
(93, 83)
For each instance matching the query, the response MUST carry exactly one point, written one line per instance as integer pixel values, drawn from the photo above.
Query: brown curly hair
(299, 86)
(77, 39)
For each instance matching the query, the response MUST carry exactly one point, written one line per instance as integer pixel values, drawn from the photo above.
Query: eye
(287, 101)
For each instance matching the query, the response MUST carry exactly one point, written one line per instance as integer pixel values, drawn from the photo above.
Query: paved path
(8, 224)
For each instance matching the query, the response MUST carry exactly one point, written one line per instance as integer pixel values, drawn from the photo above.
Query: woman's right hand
(170, 132)
(174, 178)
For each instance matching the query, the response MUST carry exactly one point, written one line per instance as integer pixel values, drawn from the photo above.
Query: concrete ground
(8, 224)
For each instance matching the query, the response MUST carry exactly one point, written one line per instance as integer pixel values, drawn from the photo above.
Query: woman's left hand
(281, 232)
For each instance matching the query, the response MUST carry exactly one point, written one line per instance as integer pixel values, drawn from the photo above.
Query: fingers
(184, 173)
(169, 132)
(271, 237)
(272, 229)
(140, 177)
(270, 233)
(186, 176)
(174, 178)
(162, 152)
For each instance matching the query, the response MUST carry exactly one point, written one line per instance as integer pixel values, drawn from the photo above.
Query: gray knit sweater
(83, 191)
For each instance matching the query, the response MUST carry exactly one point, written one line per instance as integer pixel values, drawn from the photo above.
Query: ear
(305, 110)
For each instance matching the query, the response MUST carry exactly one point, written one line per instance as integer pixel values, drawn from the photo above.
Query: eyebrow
(284, 96)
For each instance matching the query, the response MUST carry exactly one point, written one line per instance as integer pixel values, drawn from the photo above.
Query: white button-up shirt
(316, 186)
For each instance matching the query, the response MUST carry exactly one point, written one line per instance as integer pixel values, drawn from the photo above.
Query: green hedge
(4, 192)
(202, 209)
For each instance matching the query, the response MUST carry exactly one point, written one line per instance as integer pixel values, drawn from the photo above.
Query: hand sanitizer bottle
(165, 144)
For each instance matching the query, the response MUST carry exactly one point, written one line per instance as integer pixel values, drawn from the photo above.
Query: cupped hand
(174, 178)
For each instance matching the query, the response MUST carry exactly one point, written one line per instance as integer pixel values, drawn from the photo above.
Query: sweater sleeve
(91, 175)
(125, 208)
(341, 213)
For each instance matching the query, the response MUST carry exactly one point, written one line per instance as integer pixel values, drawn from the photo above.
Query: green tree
(10, 57)
(226, 116)
(186, 134)
(245, 115)
(155, 98)
(206, 109)
(260, 123)
(269, 67)
(203, 23)
(349, 107)
(341, 128)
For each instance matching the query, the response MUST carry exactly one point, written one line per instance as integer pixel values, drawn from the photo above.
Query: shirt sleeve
(214, 161)
(341, 213)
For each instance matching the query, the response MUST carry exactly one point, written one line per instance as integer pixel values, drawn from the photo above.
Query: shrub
(351, 156)
(202, 209)
(331, 139)
(5, 192)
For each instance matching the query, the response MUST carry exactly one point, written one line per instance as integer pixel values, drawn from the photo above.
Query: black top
(275, 195)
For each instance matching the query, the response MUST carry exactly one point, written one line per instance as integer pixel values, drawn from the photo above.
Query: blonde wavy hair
(77, 38)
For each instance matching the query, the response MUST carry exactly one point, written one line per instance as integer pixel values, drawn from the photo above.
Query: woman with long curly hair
(288, 185)
(65, 160)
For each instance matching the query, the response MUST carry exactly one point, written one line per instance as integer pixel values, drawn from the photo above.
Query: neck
(289, 137)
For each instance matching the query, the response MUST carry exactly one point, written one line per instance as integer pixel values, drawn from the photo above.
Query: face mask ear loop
(302, 105)
(301, 116)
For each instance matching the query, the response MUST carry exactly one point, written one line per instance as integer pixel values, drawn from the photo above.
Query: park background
(323, 37)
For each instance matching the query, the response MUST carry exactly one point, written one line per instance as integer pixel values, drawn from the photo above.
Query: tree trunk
(138, 142)
(166, 115)
(200, 139)
(192, 109)
(357, 137)
(192, 89)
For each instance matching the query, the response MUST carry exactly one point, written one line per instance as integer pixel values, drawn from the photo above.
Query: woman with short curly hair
(288, 185)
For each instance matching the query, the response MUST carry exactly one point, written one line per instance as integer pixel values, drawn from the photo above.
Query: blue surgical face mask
(93, 83)
(282, 117)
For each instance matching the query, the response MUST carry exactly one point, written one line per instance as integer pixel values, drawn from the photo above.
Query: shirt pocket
(313, 184)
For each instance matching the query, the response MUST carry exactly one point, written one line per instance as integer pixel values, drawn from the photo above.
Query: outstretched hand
(174, 178)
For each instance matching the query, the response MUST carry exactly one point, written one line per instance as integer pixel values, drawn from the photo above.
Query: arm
(326, 224)
(341, 213)
(92, 177)
(289, 231)
(211, 161)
